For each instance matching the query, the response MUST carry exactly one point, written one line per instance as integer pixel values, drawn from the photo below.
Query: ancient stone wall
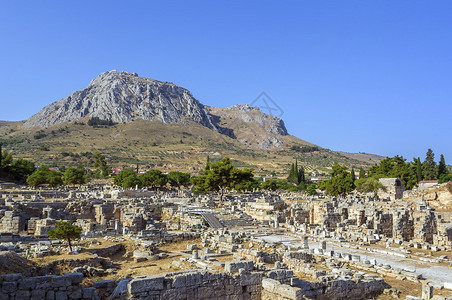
(67, 286)
(196, 285)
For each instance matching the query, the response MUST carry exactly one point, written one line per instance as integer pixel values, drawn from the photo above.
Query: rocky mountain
(124, 97)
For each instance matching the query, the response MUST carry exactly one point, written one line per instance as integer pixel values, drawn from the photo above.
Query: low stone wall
(67, 286)
(336, 289)
(272, 289)
(196, 285)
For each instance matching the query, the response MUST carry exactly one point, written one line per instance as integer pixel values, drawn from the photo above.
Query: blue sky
(356, 76)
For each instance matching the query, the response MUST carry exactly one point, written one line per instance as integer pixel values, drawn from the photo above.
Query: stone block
(9, 287)
(77, 294)
(61, 295)
(23, 295)
(61, 281)
(234, 266)
(38, 294)
(145, 284)
(76, 278)
(27, 284)
(88, 293)
(250, 279)
(205, 292)
(104, 284)
(50, 295)
(12, 277)
(193, 279)
(179, 281)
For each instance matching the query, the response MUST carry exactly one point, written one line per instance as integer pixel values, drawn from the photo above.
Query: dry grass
(170, 146)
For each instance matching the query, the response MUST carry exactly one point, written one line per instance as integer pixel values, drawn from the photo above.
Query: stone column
(427, 291)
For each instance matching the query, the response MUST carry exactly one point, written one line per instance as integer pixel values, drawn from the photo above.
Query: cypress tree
(418, 169)
(353, 175)
(1, 156)
(429, 166)
(291, 177)
(207, 163)
(362, 173)
(301, 176)
(442, 168)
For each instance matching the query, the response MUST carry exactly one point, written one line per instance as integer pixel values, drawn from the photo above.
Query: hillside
(165, 146)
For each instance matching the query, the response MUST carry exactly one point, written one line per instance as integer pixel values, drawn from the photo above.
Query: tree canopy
(177, 179)
(100, 164)
(153, 178)
(127, 179)
(368, 185)
(222, 175)
(75, 176)
(429, 166)
(396, 167)
(65, 231)
(14, 169)
(45, 176)
(340, 183)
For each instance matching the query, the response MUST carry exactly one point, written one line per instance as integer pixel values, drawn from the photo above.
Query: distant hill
(159, 124)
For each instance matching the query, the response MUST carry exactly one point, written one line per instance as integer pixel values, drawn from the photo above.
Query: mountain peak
(123, 97)
(110, 75)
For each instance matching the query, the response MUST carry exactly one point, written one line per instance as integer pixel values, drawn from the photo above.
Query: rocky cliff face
(124, 97)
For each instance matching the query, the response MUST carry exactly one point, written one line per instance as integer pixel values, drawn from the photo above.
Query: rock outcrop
(123, 97)
(250, 126)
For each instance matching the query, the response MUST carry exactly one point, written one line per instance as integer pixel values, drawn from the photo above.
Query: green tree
(65, 231)
(177, 179)
(312, 190)
(207, 167)
(6, 160)
(45, 176)
(362, 173)
(221, 176)
(429, 166)
(395, 167)
(445, 178)
(274, 184)
(75, 176)
(368, 185)
(296, 175)
(154, 178)
(20, 168)
(340, 183)
(352, 172)
(442, 167)
(127, 179)
(100, 163)
(418, 164)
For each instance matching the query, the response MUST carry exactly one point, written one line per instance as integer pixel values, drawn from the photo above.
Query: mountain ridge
(123, 97)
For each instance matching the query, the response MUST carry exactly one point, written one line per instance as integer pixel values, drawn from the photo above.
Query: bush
(304, 149)
(95, 121)
(39, 135)
(445, 178)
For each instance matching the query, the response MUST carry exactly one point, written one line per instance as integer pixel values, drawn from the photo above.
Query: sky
(355, 76)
